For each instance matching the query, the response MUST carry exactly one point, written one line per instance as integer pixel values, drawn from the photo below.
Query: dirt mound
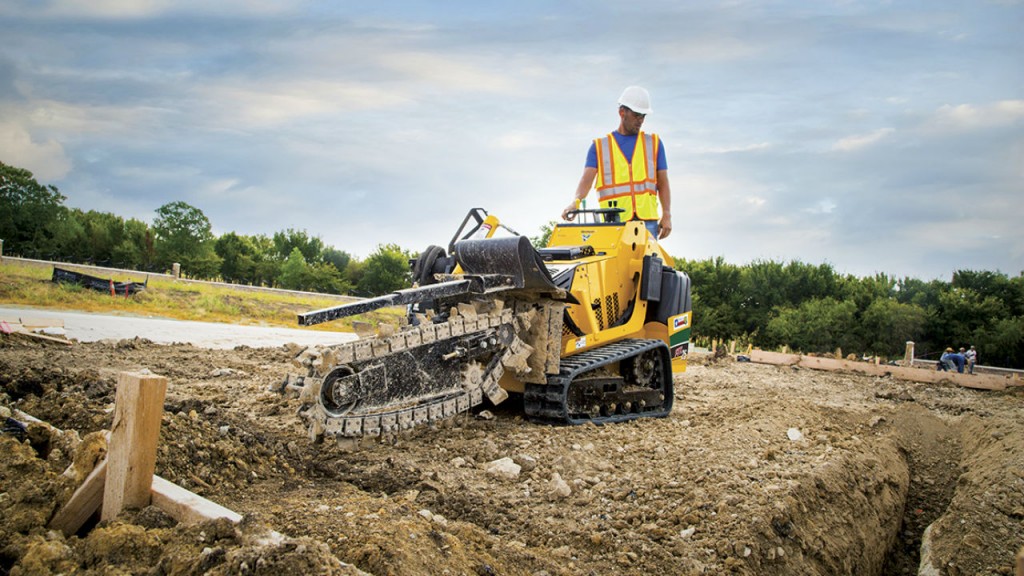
(759, 470)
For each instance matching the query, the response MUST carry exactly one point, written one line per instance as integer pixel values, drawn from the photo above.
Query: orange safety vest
(630, 185)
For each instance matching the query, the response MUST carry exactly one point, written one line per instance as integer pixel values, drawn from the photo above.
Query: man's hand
(570, 208)
(665, 226)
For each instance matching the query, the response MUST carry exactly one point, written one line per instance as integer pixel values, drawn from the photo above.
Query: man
(950, 360)
(628, 169)
(972, 358)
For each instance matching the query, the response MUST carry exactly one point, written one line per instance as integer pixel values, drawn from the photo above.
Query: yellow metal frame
(612, 273)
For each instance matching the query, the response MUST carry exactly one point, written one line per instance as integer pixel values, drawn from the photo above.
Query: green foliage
(238, 258)
(541, 240)
(294, 271)
(337, 258)
(817, 325)
(311, 247)
(1001, 342)
(184, 235)
(813, 309)
(887, 325)
(297, 274)
(30, 214)
(387, 270)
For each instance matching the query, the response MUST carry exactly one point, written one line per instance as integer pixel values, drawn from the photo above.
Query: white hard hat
(636, 99)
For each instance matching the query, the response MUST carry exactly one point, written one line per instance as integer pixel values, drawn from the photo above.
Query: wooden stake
(908, 355)
(131, 456)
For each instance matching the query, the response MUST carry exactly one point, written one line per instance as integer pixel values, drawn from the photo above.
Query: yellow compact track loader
(590, 328)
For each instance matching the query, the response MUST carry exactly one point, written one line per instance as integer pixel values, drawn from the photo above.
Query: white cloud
(73, 120)
(859, 141)
(966, 117)
(46, 160)
(138, 9)
(729, 148)
(453, 74)
(824, 206)
(710, 48)
(243, 105)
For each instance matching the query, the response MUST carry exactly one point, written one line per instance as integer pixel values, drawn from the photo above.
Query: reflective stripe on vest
(632, 186)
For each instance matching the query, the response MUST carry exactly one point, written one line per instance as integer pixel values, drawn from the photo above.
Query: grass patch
(30, 285)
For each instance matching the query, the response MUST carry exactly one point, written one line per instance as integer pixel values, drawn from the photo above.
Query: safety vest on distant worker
(632, 186)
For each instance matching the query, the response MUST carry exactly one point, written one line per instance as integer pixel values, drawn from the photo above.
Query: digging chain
(402, 418)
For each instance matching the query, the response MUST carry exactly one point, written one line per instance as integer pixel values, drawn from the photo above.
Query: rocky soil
(759, 470)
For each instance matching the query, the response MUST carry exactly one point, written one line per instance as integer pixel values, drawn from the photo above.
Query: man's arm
(665, 197)
(582, 189)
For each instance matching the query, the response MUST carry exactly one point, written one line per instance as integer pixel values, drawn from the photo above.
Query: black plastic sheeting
(99, 284)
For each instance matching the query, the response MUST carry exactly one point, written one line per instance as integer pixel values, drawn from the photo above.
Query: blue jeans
(652, 226)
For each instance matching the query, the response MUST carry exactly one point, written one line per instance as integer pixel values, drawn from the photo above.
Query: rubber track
(547, 402)
(426, 411)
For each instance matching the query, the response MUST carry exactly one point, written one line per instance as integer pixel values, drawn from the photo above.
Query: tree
(136, 247)
(995, 285)
(30, 213)
(238, 262)
(294, 271)
(1002, 342)
(541, 240)
(184, 235)
(716, 297)
(818, 325)
(68, 236)
(337, 258)
(887, 325)
(311, 247)
(267, 265)
(386, 270)
(324, 277)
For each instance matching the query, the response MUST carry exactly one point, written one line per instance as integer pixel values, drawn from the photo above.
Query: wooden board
(978, 381)
(33, 323)
(187, 507)
(776, 358)
(83, 504)
(131, 456)
(184, 506)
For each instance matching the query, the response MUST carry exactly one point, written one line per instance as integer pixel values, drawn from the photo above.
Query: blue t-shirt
(627, 144)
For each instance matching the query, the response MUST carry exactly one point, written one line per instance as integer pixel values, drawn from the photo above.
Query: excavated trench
(931, 449)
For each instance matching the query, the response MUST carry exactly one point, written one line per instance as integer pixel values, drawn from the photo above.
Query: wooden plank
(187, 507)
(184, 506)
(33, 323)
(926, 375)
(83, 503)
(131, 456)
(777, 358)
(27, 334)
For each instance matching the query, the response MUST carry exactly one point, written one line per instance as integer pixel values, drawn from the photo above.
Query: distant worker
(972, 358)
(951, 359)
(628, 169)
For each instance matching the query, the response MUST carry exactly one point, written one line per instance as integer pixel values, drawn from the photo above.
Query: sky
(874, 136)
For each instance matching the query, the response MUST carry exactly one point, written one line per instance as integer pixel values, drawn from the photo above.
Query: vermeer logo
(586, 236)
